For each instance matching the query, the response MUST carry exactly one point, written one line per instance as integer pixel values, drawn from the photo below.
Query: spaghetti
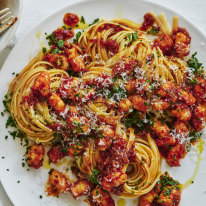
(112, 100)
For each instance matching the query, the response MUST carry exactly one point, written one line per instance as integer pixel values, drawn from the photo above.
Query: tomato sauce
(116, 28)
(30, 99)
(111, 45)
(63, 34)
(70, 19)
(148, 21)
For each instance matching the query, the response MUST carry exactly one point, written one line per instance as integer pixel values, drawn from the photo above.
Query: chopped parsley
(194, 135)
(94, 22)
(18, 133)
(44, 50)
(167, 192)
(51, 39)
(120, 91)
(10, 122)
(114, 79)
(6, 101)
(15, 133)
(101, 135)
(82, 20)
(60, 44)
(78, 127)
(50, 171)
(94, 175)
(55, 51)
(135, 120)
(132, 37)
(154, 30)
(193, 82)
(77, 94)
(194, 63)
(78, 34)
(167, 181)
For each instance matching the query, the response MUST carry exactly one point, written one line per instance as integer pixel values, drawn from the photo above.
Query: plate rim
(69, 4)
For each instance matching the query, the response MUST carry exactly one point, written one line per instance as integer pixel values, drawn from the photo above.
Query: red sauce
(58, 60)
(68, 87)
(101, 81)
(118, 190)
(165, 43)
(30, 99)
(55, 127)
(57, 183)
(131, 155)
(116, 28)
(126, 66)
(200, 89)
(181, 30)
(35, 156)
(93, 40)
(52, 191)
(165, 141)
(63, 90)
(113, 180)
(175, 154)
(149, 59)
(114, 157)
(148, 21)
(70, 19)
(99, 197)
(112, 46)
(63, 34)
(56, 153)
(164, 150)
(182, 41)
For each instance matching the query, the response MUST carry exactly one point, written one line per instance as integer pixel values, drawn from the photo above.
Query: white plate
(31, 184)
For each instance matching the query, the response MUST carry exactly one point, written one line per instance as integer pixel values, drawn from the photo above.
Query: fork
(6, 20)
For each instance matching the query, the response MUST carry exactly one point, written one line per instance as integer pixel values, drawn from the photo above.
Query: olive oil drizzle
(199, 158)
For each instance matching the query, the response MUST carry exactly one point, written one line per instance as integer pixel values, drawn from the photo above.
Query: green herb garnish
(44, 50)
(60, 44)
(55, 51)
(94, 22)
(194, 63)
(94, 175)
(82, 20)
(195, 135)
(153, 31)
(132, 37)
(135, 120)
(78, 34)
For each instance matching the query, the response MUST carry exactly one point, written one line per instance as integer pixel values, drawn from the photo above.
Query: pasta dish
(108, 100)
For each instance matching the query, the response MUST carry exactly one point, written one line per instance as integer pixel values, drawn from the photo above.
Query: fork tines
(5, 19)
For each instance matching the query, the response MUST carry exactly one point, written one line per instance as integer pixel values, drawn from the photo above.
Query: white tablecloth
(36, 10)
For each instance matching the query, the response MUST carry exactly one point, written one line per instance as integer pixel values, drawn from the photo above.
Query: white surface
(34, 11)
